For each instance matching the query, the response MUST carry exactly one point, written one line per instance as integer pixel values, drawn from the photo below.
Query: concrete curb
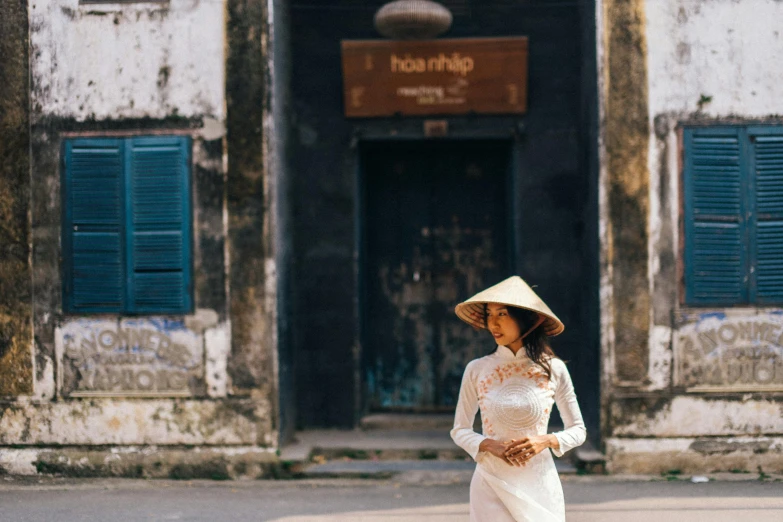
(49, 483)
(154, 462)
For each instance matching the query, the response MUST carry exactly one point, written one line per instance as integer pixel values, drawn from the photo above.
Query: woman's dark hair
(536, 342)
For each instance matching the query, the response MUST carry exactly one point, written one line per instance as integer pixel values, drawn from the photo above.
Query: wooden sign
(459, 76)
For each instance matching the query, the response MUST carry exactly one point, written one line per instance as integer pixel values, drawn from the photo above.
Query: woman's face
(502, 326)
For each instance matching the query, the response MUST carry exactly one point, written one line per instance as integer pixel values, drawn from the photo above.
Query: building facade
(141, 309)
(690, 230)
(203, 254)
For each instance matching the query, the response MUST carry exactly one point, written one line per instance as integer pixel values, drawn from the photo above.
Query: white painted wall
(113, 61)
(728, 49)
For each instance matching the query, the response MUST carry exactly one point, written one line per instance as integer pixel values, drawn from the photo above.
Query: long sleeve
(467, 406)
(574, 432)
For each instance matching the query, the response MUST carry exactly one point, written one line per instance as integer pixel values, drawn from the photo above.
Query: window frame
(746, 135)
(67, 255)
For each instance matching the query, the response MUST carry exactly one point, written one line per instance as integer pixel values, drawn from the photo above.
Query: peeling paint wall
(113, 61)
(139, 357)
(711, 372)
(695, 455)
(724, 49)
(135, 421)
(696, 415)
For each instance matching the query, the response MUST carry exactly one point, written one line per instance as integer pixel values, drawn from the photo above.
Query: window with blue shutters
(733, 205)
(126, 229)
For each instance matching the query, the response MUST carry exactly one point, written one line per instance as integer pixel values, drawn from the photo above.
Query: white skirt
(503, 493)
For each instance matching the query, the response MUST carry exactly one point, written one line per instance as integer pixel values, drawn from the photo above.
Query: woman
(515, 388)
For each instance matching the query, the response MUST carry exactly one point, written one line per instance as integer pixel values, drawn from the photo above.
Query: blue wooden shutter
(715, 225)
(158, 240)
(767, 237)
(93, 225)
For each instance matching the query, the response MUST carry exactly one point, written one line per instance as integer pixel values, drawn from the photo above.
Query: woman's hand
(496, 448)
(519, 451)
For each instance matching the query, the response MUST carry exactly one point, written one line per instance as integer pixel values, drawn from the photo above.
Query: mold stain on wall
(16, 333)
(627, 142)
(250, 204)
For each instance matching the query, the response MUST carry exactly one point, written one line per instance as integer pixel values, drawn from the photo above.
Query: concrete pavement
(604, 499)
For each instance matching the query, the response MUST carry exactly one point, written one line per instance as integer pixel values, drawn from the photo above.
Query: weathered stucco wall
(704, 402)
(125, 70)
(625, 184)
(180, 463)
(623, 193)
(690, 455)
(128, 421)
(138, 357)
(251, 201)
(711, 64)
(135, 69)
(138, 60)
(61, 341)
(723, 49)
(16, 333)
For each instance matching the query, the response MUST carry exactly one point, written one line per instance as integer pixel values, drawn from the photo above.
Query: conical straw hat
(511, 292)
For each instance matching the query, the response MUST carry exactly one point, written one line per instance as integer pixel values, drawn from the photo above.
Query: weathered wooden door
(435, 232)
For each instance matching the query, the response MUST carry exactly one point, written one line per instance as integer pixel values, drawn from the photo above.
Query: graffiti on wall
(730, 352)
(144, 357)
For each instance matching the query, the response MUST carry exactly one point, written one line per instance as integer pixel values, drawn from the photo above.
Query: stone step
(589, 460)
(383, 469)
(412, 470)
(412, 454)
(407, 422)
(442, 422)
(394, 444)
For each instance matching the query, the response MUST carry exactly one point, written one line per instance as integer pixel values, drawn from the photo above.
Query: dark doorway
(436, 230)
(555, 236)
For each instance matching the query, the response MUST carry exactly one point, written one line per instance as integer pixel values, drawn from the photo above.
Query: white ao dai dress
(515, 398)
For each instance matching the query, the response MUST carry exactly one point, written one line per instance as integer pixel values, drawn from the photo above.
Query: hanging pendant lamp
(412, 19)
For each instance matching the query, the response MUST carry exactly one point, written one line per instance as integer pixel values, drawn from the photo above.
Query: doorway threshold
(442, 422)
(329, 444)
